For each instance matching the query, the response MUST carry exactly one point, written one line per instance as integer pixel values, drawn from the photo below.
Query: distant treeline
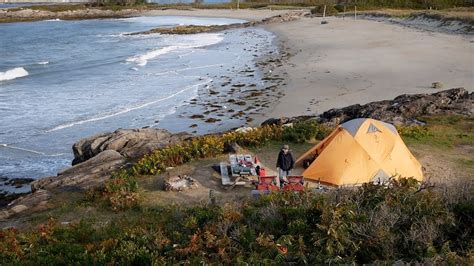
(414, 4)
(362, 4)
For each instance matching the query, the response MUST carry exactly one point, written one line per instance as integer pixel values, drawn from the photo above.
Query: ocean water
(61, 81)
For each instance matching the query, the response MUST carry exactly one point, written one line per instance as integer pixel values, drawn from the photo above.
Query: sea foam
(128, 109)
(13, 73)
(189, 42)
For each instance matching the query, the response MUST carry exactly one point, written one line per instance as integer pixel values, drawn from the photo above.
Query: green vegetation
(119, 2)
(443, 132)
(319, 10)
(120, 192)
(400, 221)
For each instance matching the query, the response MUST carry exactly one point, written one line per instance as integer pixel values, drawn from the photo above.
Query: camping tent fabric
(358, 151)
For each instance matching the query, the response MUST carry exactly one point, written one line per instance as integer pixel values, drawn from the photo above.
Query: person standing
(285, 163)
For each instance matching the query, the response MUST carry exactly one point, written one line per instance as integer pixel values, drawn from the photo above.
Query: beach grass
(443, 132)
(465, 14)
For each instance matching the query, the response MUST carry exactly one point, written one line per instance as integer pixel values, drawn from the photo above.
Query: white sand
(347, 62)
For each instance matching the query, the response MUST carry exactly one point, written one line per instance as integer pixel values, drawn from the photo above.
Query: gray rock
(37, 201)
(91, 173)
(131, 143)
(405, 109)
(276, 121)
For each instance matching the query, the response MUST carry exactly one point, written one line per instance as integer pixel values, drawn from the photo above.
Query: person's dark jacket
(285, 161)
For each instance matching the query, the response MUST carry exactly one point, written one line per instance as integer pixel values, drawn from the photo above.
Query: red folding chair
(295, 183)
(267, 183)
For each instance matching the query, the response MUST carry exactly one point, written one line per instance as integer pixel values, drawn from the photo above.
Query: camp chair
(295, 183)
(266, 183)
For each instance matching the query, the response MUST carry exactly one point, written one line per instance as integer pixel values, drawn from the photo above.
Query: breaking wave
(126, 110)
(189, 42)
(13, 73)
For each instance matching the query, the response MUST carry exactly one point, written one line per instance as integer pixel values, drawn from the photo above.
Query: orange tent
(358, 151)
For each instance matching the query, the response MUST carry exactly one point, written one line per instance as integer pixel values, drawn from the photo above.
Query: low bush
(121, 191)
(415, 132)
(402, 221)
(319, 10)
(305, 131)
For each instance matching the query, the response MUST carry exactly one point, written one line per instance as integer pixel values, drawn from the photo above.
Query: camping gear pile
(243, 169)
(179, 183)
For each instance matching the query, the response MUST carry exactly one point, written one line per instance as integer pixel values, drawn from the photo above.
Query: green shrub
(374, 224)
(121, 191)
(415, 132)
(305, 131)
(319, 10)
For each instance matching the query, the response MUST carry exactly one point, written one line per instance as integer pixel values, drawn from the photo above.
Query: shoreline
(295, 93)
(234, 83)
(84, 13)
(331, 67)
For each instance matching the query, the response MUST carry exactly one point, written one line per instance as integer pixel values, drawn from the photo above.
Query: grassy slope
(162, 216)
(445, 152)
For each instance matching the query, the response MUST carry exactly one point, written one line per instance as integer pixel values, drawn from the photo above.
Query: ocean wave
(54, 19)
(193, 41)
(142, 60)
(13, 73)
(42, 63)
(126, 110)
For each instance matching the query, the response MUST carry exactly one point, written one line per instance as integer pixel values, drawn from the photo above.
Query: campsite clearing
(445, 153)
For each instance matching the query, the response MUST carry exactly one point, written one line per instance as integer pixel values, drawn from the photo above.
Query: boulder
(276, 121)
(131, 143)
(91, 173)
(37, 201)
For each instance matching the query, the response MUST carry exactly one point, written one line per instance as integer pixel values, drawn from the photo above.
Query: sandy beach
(347, 62)
(355, 62)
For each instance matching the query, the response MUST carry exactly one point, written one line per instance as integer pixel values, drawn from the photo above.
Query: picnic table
(242, 170)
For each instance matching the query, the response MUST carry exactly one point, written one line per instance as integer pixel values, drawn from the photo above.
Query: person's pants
(283, 174)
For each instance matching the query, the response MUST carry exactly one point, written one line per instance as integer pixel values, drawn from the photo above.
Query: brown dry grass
(465, 14)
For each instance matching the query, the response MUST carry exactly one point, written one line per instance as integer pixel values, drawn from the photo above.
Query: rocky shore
(97, 157)
(403, 110)
(27, 14)
(193, 29)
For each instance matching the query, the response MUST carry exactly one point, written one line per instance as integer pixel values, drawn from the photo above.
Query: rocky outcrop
(131, 143)
(91, 173)
(404, 109)
(26, 14)
(34, 201)
(193, 29)
(96, 158)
